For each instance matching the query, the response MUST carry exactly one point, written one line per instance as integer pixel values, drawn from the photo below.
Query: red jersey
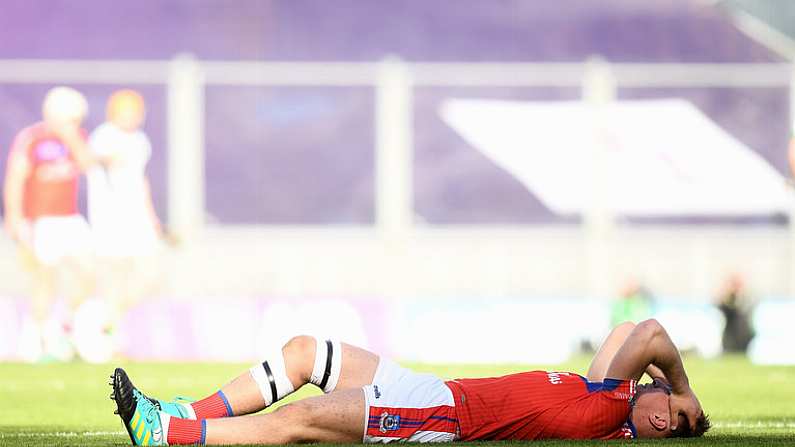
(52, 186)
(542, 405)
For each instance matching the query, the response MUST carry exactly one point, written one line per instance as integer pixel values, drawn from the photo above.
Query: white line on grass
(73, 434)
(758, 424)
(60, 434)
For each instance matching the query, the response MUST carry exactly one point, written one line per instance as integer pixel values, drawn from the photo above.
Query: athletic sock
(183, 431)
(213, 406)
(271, 378)
(328, 363)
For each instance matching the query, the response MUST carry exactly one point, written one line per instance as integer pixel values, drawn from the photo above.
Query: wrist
(680, 387)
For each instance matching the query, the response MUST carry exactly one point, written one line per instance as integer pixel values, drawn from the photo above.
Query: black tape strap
(268, 372)
(327, 373)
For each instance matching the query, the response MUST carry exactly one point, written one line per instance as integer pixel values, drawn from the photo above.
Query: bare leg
(43, 293)
(358, 369)
(118, 286)
(82, 271)
(335, 417)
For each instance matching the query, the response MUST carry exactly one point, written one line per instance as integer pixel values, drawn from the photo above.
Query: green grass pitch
(68, 404)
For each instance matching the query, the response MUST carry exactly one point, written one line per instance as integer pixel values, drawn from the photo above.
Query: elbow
(649, 328)
(625, 326)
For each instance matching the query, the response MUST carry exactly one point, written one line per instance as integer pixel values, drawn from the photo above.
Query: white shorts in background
(404, 406)
(58, 237)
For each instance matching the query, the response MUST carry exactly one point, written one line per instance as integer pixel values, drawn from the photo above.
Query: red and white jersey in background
(51, 188)
(542, 405)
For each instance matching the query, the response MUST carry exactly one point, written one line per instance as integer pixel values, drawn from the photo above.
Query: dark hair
(684, 431)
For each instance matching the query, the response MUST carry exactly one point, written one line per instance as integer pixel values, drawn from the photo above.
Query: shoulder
(142, 145)
(100, 131)
(34, 131)
(27, 136)
(104, 135)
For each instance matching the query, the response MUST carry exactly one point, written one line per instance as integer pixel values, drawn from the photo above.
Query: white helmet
(64, 104)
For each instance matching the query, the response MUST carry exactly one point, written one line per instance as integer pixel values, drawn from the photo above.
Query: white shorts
(404, 406)
(58, 237)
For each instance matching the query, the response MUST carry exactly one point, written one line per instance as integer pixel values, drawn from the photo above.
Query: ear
(658, 420)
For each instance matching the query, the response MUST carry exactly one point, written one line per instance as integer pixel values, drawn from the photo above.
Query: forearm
(14, 217)
(82, 154)
(663, 357)
(13, 193)
(150, 206)
(79, 148)
(12, 200)
(649, 345)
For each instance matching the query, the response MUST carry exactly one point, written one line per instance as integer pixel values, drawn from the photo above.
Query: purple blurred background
(303, 155)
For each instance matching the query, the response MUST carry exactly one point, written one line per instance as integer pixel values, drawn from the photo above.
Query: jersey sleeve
(608, 409)
(592, 410)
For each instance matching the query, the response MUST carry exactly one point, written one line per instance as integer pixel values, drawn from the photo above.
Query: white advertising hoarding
(657, 157)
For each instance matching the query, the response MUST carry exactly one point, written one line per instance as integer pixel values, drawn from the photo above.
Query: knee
(299, 355)
(300, 346)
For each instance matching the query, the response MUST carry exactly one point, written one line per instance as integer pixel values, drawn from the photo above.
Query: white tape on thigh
(328, 363)
(271, 378)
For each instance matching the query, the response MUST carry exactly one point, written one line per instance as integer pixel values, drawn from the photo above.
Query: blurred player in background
(373, 400)
(736, 306)
(42, 217)
(123, 219)
(635, 304)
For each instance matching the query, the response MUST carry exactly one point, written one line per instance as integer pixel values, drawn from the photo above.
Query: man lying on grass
(371, 399)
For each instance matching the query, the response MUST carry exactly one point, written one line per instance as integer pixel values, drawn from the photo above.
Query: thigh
(335, 417)
(358, 367)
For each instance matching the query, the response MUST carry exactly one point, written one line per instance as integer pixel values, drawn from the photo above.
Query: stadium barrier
(439, 330)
